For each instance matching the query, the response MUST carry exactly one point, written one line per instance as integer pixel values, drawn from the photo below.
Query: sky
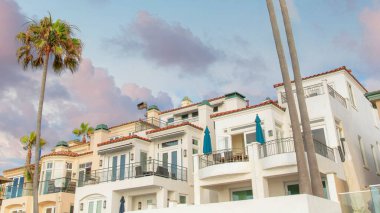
(159, 51)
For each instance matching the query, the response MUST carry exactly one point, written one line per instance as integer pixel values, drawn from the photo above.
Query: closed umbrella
(259, 131)
(122, 208)
(207, 148)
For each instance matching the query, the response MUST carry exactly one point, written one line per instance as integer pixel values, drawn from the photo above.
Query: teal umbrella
(207, 148)
(259, 131)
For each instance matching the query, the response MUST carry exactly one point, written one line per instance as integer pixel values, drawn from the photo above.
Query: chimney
(186, 101)
(234, 100)
(153, 114)
(374, 98)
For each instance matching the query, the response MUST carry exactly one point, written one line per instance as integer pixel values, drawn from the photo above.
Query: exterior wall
(291, 204)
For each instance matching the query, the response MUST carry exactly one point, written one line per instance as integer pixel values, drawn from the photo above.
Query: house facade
(157, 162)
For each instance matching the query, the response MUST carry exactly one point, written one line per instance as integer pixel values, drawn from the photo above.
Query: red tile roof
(269, 102)
(21, 167)
(123, 139)
(175, 109)
(342, 68)
(174, 126)
(66, 153)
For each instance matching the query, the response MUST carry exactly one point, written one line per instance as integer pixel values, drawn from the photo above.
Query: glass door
(114, 168)
(143, 161)
(174, 165)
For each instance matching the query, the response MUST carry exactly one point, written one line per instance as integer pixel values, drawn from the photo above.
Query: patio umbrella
(207, 149)
(122, 208)
(259, 131)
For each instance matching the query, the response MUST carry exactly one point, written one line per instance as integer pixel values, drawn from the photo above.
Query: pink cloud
(370, 19)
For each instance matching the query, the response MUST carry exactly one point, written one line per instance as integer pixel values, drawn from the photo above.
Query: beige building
(157, 162)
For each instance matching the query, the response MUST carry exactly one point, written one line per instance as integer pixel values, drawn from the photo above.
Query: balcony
(286, 145)
(223, 156)
(154, 123)
(10, 190)
(135, 170)
(67, 185)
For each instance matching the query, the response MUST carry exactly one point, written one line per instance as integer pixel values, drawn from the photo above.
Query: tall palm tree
(28, 142)
(303, 174)
(315, 176)
(42, 41)
(84, 130)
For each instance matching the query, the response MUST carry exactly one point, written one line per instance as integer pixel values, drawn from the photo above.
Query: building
(157, 162)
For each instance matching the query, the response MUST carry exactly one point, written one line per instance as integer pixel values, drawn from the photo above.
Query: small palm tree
(42, 41)
(84, 130)
(28, 142)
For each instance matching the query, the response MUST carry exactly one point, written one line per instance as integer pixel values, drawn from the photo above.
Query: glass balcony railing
(67, 185)
(223, 156)
(135, 170)
(361, 201)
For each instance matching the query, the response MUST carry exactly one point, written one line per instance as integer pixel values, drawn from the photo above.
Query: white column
(197, 187)
(162, 198)
(332, 187)
(259, 182)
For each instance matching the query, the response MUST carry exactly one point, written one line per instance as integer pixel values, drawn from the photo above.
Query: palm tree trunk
(38, 135)
(303, 174)
(28, 156)
(84, 138)
(315, 176)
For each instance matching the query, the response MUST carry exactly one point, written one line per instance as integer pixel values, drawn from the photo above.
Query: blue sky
(160, 51)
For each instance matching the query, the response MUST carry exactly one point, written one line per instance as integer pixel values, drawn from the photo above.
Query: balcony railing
(286, 145)
(10, 190)
(153, 123)
(67, 185)
(176, 122)
(310, 91)
(337, 96)
(135, 170)
(223, 156)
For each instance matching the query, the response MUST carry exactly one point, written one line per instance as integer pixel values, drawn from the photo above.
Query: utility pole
(315, 176)
(303, 174)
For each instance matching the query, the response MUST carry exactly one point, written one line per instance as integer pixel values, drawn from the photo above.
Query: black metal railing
(337, 96)
(135, 170)
(67, 185)
(223, 156)
(309, 91)
(275, 147)
(286, 145)
(154, 123)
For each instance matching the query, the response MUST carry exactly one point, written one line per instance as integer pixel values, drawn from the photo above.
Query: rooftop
(342, 68)
(123, 139)
(173, 126)
(66, 153)
(265, 103)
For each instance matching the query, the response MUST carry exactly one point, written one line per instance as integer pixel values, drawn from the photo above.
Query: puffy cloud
(90, 95)
(370, 19)
(166, 44)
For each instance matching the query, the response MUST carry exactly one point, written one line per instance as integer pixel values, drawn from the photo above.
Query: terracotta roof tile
(325, 73)
(14, 169)
(66, 153)
(175, 109)
(174, 126)
(123, 139)
(269, 102)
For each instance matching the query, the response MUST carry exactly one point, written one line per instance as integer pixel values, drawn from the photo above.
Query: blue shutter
(174, 165)
(20, 187)
(114, 168)
(14, 188)
(122, 167)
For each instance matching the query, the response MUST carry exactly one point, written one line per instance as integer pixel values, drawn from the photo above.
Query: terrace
(135, 170)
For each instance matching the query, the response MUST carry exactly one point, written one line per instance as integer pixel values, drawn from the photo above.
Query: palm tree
(84, 130)
(315, 176)
(303, 174)
(28, 142)
(41, 41)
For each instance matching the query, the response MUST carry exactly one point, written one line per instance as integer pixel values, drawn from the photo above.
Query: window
(195, 151)
(293, 189)
(170, 143)
(182, 199)
(194, 114)
(185, 116)
(50, 210)
(69, 165)
(375, 158)
(170, 120)
(195, 142)
(363, 154)
(215, 109)
(100, 163)
(241, 195)
(149, 202)
(319, 135)
(351, 94)
(250, 137)
(49, 165)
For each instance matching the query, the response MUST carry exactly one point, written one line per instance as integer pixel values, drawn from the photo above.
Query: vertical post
(303, 174)
(197, 187)
(315, 176)
(332, 187)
